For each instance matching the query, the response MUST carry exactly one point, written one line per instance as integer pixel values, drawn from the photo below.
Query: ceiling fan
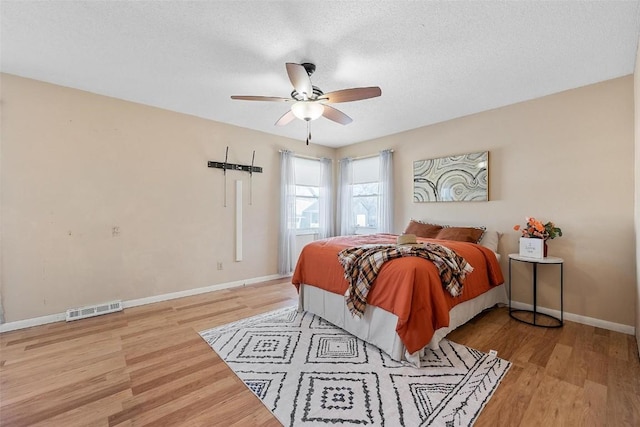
(308, 102)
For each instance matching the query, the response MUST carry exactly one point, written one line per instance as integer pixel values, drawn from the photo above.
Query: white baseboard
(35, 321)
(196, 291)
(604, 324)
(60, 317)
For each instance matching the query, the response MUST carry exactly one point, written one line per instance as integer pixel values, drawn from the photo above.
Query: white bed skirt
(378, 326)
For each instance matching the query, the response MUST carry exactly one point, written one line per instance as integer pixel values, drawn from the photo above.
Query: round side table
(558, 322)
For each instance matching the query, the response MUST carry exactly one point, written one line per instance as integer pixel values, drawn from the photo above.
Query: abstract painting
(462, 178)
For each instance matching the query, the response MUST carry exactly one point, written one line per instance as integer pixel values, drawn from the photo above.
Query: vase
(545, 249)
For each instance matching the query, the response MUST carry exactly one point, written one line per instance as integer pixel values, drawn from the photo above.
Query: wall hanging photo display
(462, 178)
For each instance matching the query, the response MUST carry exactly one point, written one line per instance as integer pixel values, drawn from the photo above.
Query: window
(365, 195)
(307, 176)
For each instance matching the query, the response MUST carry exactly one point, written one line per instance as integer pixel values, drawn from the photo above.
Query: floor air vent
(93, 310)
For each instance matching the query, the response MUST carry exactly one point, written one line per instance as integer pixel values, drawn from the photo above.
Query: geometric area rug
(308, 372)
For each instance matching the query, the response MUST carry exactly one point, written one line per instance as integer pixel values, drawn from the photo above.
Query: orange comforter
(408, 287)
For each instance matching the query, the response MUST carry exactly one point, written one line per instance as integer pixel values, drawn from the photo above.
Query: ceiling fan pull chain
(308, 131)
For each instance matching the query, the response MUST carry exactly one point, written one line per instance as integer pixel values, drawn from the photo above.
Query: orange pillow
(461, 234)
(422, 229)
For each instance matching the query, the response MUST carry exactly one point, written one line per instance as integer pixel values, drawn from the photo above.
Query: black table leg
(559, 322)
(535, 291)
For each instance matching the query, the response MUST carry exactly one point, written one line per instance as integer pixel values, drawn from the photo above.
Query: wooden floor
(148, 366)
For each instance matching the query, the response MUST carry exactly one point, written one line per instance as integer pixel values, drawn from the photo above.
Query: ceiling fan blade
(300, 79)
(286, 118)
(354, 94)
(260, 98)
(336, 115)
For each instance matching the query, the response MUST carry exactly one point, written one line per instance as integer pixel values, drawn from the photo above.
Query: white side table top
(545, 260)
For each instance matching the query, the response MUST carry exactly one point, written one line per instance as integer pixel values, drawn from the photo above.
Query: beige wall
(568, 158)
(75, 165)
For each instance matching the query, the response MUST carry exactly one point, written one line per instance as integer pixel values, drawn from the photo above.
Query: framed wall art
(463, 178)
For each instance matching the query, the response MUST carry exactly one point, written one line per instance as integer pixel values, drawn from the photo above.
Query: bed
(407, 308)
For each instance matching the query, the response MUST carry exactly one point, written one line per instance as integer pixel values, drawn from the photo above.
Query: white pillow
(490, 240)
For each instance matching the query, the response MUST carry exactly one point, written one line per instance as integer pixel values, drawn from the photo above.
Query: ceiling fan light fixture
(307, 110)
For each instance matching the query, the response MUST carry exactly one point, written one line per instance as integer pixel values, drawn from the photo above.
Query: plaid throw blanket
(362, 264)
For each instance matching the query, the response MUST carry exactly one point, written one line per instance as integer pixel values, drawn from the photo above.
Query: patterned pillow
(461, 234)
(422, 229)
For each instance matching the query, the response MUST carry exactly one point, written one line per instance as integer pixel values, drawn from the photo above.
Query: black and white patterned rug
(309, 372)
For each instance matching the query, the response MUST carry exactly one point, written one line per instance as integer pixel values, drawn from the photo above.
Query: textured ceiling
(433, 60)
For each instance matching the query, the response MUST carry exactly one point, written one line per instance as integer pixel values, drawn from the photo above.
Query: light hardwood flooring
(148, 366)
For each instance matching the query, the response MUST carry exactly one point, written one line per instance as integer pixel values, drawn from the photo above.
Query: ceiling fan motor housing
(317, 92)
(309, 67)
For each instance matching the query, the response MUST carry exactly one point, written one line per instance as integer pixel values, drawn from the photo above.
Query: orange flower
(538, 230)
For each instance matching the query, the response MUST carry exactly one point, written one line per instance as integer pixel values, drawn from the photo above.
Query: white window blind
(366, 170)
(307, 172)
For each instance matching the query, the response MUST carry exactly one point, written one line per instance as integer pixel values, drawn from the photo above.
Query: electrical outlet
(219, 265)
